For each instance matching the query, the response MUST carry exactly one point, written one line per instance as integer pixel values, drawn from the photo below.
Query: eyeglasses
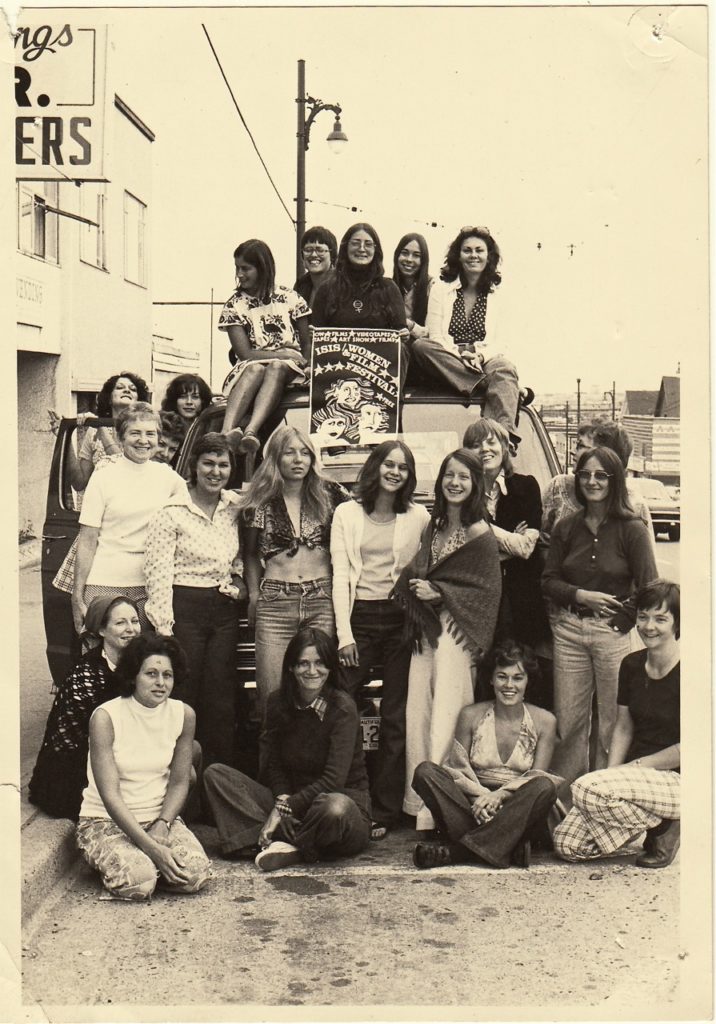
(469, 228)
(357, 243)
(585, 475)
(316, 250)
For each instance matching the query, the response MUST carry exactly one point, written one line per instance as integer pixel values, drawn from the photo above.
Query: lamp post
(335, 139)
(579, 400)
(613, 395)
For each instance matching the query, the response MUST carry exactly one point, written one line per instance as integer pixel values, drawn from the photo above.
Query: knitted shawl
(470, 582)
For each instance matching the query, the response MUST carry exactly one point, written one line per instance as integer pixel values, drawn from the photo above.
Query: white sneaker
(277, 855)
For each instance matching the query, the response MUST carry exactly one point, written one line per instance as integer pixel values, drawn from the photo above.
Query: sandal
(234, 438)
(250, 443)
(378, 830)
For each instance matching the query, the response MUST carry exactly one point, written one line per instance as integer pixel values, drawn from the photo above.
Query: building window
(93, 243)
(135, 259)
(37, 233)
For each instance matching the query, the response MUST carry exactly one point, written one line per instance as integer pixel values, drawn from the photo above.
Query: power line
(248, 130)
(358, 209)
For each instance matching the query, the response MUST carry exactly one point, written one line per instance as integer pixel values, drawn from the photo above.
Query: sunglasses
(469, 228)
(585, 475)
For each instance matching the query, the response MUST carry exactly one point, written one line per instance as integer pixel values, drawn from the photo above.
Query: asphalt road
(372, 931)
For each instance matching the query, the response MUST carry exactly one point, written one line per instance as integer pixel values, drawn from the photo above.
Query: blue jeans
(587, 656)
(281, 609)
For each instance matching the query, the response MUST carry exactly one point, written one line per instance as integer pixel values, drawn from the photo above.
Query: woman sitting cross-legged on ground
(60, 773)
(451, 594)
(318, 803)
(492, 794)
(640, 788)
(372, 539)
(139, 770)
(270, 345)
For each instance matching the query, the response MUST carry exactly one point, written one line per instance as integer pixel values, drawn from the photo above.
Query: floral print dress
(269, 326)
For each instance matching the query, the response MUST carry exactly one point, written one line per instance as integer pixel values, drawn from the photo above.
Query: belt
(583, 612)
(309, 587)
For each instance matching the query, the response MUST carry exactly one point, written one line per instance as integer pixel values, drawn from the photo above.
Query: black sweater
(307, 756)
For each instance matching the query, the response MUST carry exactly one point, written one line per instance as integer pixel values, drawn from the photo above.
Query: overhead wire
(248, 130)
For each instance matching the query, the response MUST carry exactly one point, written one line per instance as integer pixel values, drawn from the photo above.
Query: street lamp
(336, 140)
(613, 395)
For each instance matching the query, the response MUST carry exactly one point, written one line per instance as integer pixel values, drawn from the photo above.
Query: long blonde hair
(267, 483)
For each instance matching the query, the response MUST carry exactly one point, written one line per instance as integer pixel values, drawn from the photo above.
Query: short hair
(507, 652)
(308, 636)
(184, 384)
(211, 442)
(452, 268)
(134, 412)
(657, 593)
(258, 254)
(136, 653)
(173, 427)
(104, 397)
(321, 236)
(368, 484)
(475, 508)
(609, 434)
(618, 505)
(479, 429)
(422, 278)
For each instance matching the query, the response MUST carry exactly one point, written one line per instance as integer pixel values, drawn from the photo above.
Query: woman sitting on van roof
(270, 346)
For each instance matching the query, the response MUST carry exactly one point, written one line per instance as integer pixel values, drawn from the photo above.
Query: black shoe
(662, 848)
(521, 855)
(432, 855)
(653, 833)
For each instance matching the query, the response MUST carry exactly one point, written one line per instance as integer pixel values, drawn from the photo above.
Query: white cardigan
(440, 305)
(346, 536)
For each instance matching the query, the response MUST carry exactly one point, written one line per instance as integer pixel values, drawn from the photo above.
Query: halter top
(485, 757)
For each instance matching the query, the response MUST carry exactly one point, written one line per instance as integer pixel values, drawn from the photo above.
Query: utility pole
(579, 400)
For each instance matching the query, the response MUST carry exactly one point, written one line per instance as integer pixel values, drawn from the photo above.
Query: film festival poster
(355, 385)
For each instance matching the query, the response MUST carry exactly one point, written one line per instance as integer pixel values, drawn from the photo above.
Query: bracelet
(283, 807)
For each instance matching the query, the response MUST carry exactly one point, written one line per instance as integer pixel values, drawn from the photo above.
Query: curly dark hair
(368, 484)
(258, 254)
(103, 402)
(173, 427)
(321, 236)
(210, 442)
(472, 510)
(618, 505)
(452, 268)
(422, 278)
(609, 434)
(308, 636)
(505, 653)
(136, 653)
(184, 384)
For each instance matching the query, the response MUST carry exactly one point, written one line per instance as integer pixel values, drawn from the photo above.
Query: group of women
(448, 329)
(448, 603)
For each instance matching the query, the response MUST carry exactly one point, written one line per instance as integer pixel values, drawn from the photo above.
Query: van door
(60, 529)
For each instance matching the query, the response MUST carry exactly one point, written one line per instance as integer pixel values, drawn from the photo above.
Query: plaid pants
(612, 807)
(127, 872)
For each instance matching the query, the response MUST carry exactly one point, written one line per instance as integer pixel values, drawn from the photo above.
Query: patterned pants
(613, 807)
(126, 871)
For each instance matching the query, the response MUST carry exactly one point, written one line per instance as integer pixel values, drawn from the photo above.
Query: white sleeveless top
(143, 748)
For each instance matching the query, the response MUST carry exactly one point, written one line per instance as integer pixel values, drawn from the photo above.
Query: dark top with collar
(308, 755)
(616, 560)
(654, 705)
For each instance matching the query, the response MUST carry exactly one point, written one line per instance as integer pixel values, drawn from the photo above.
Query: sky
(577, 135)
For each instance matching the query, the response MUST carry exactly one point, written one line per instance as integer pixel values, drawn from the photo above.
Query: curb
(48, 853)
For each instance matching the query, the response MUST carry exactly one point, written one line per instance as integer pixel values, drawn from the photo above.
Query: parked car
(665, 509)
(432, 424)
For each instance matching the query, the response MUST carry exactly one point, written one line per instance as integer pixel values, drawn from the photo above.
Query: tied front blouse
(276, 532)
(185, 548)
